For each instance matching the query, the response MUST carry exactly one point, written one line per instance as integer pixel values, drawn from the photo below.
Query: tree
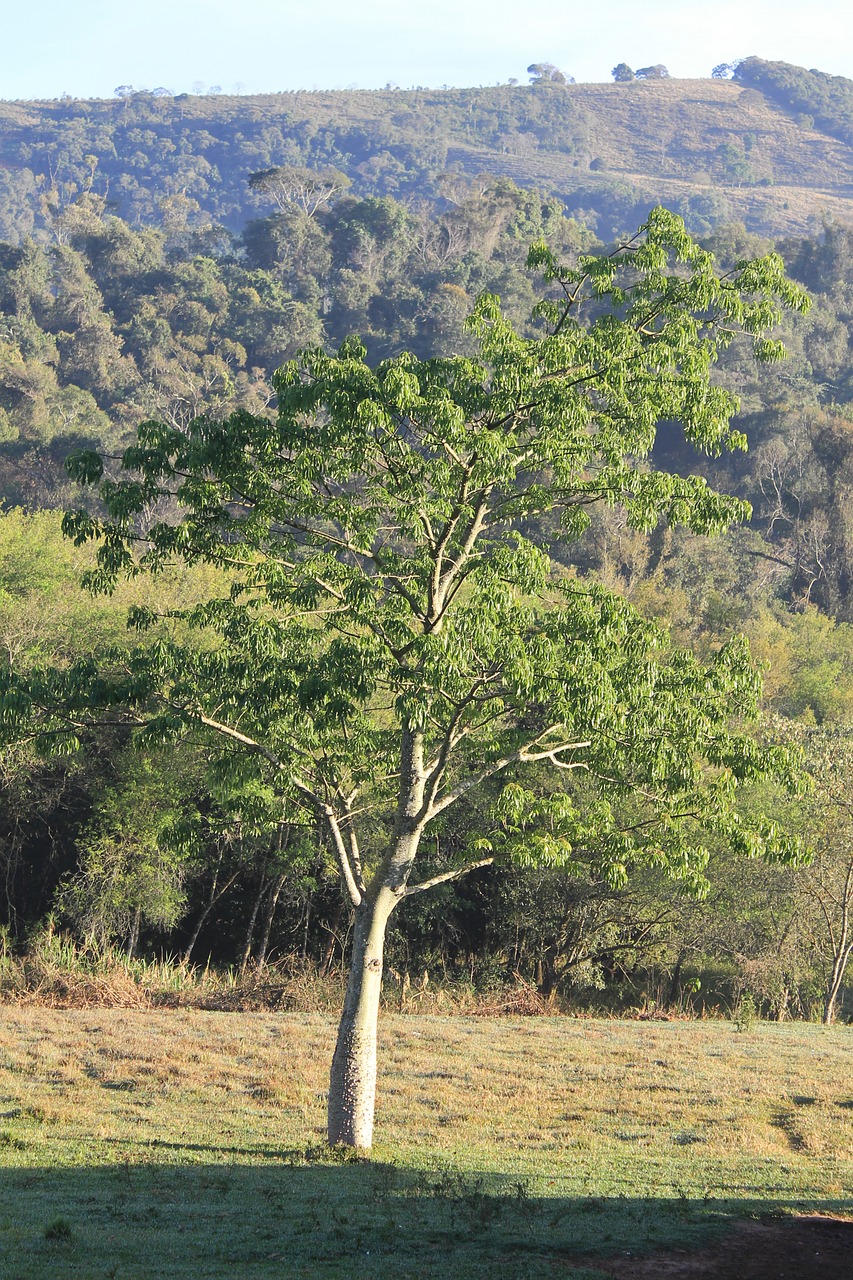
(397, 641)
(622, 73)
(828, 882)
(129, 874)
(723, 71)
(656, 72)
(547, 73)
(294, 187)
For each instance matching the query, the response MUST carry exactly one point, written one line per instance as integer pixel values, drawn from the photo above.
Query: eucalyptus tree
(398, 643)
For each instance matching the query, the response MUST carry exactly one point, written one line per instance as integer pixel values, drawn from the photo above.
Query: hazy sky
(88, 47)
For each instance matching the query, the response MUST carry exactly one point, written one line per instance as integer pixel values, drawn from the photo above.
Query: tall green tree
(397, 641)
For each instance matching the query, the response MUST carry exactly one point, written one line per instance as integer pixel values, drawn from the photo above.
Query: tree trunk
(329, 953)
(305, 927)
(272, 903)
(673, 995)
(213, 897)
(250, 932)
(134, 933)
(837, 978)
(352, 1087)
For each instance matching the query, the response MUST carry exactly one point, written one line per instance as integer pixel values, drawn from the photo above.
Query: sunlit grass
(188, 1143)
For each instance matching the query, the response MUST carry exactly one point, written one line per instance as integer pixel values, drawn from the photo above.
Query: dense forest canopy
(161, 257)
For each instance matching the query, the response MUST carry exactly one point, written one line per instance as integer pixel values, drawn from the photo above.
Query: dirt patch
(814, 1247)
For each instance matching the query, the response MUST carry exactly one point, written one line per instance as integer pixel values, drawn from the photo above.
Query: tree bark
(272, 902)
(134, 933)
(843, 949)
(250, 932)
(835, 981)
(352, 1087)
(216, 892)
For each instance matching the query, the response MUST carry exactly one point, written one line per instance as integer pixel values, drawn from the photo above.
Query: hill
(715, 150)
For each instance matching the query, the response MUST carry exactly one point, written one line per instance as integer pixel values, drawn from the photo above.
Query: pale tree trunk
(836, 979)
(842, 948)
(834, 987)
(272, 903)
(250, 931)
(134, 933)
(352, 1086)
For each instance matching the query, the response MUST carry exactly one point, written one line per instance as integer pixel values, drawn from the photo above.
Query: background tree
(546, 72)
(294, 187)
(130, 875)
(622, 73)
(827, 884)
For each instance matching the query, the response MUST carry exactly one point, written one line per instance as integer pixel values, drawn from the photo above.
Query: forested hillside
(162, 256)
(769, 148)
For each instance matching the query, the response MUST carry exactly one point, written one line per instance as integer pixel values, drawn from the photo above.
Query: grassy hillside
(144, 1145)
(713, 149)
(674, 141)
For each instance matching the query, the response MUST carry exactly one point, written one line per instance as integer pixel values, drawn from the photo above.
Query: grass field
(139, 1145)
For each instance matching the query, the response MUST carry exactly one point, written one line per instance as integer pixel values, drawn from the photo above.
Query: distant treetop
(546, 72)
(622, 73)
(293, 185)
(657, 72)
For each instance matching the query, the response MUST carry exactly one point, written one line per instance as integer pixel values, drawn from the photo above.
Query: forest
(161, 258)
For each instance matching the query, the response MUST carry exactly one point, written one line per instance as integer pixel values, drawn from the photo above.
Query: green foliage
(384, 585)
(106, 325)
(129, 875)
(827, 99)
(746, 1012)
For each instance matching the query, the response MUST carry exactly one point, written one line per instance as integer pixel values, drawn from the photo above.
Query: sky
(87, 48)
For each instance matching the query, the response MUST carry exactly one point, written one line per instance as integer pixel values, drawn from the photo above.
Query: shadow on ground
(152, 1220)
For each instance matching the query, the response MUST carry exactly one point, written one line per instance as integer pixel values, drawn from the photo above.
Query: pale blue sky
(87, 47)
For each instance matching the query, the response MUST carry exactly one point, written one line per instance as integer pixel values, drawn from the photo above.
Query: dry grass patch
(500, 1142)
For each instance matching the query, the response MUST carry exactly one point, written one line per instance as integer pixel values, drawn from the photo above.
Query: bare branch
(445, 877)
(344, 866)
(524, 755)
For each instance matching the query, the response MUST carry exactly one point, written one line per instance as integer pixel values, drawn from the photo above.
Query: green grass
(137, 1145)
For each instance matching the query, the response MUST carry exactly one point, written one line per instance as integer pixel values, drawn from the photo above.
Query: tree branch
(524, 755)
(445, 877)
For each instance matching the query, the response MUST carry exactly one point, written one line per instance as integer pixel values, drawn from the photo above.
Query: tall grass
(57, 971)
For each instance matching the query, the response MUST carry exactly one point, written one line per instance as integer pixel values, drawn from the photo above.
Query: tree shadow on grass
(152, 1220)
